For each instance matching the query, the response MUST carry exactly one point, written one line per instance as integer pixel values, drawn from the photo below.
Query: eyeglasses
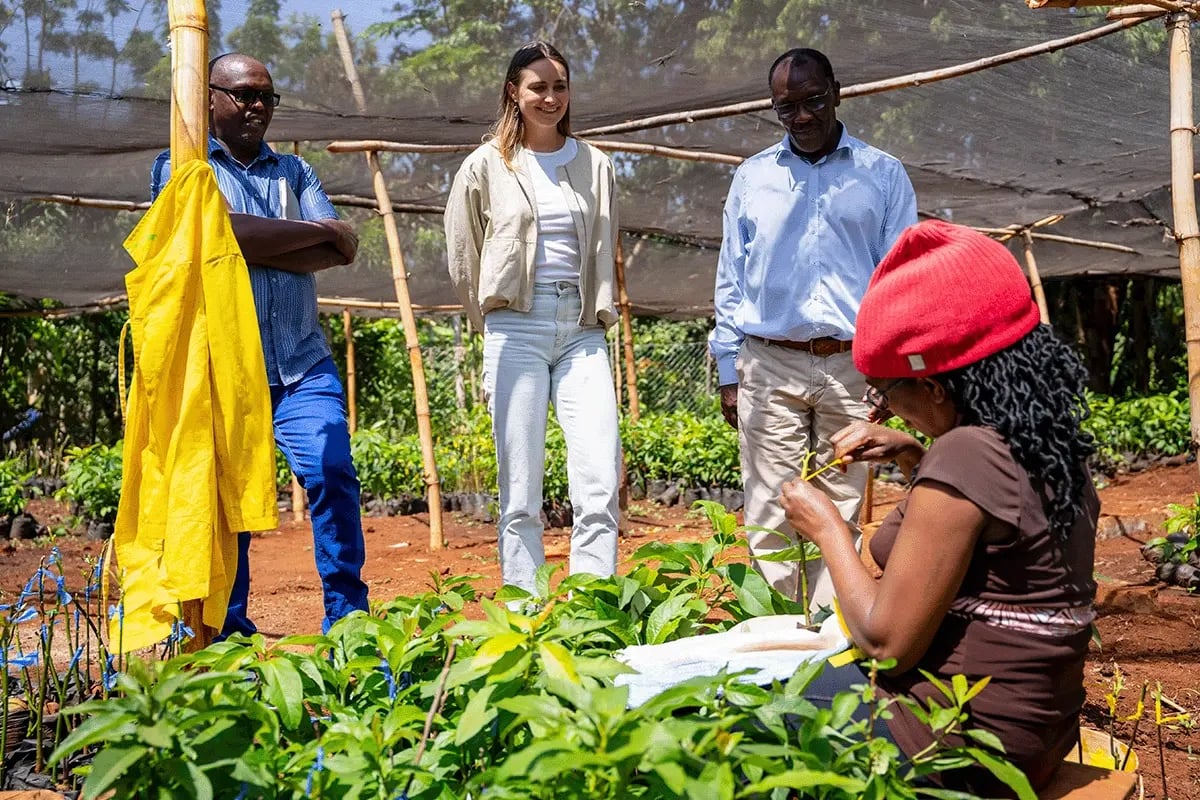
(877, 398)
(813, 105)
(247, 97)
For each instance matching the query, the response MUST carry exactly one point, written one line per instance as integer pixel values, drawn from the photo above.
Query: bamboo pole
(351, 372)
(339, 30)
(355, 201)
(188, 22)
(189, 81)
(1123, 12)
(627, 334)
(433, 487)
(1183, 202)
(608, 145)
(614, 356)
(383, 305)
(872, 87)
(1157, 5)
(1035, 278)
(420, 393)
(1004, 234)
(460, 357)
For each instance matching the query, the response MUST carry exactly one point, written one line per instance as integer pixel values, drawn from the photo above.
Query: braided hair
(1032, 394)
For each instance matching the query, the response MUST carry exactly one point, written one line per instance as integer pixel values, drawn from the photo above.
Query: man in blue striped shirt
(805, 223)
(287, 230)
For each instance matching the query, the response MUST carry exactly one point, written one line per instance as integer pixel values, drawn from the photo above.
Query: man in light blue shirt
(287, 230)
(805, 223)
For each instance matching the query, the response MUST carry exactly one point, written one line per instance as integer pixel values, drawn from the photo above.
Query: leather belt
(825, 346)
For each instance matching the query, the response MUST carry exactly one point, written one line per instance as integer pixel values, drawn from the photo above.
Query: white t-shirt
(557, 257)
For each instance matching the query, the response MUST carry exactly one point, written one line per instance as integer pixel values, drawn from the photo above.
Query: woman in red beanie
(987, 563)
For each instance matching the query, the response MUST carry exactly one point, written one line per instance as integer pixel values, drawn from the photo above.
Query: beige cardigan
(491, 232)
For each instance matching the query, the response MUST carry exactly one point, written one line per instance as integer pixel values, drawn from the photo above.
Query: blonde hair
(509, 128)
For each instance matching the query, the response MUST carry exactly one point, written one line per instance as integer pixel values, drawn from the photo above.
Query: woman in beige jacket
(531, 227)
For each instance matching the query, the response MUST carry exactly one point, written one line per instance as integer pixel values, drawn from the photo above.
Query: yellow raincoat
(199, 453)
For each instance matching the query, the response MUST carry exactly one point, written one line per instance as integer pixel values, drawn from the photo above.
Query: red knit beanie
(943, 297)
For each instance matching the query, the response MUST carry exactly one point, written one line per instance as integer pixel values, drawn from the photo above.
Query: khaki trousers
(790, 401)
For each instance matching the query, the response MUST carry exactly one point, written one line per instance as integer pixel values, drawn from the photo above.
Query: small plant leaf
(108, 767)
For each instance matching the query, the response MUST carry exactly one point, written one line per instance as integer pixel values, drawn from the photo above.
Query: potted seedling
(1177, 554)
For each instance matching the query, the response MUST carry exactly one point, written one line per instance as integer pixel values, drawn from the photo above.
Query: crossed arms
(294, 245)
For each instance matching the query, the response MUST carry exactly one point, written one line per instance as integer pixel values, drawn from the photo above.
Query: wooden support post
(1035, 278)
(351, 372)
(614, 355)
(188, 22)
(433, 487)
(420, 393)
(1183, 201)
(460, 357)
(627, 333)
(339, 31)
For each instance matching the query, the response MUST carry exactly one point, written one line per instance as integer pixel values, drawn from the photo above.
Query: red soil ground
(1150, 631)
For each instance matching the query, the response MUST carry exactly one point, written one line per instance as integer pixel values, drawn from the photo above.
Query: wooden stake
(351, 372)
(1161, 6)
(433, 488)
(460, 357)
(189, 81)
(614, 356)
(627, 334)
(677, 153)
(1183, 202)
(339, 30)
(1035, 278)
(420, 393)
(188, 22)
(383, 305)
(872, 87)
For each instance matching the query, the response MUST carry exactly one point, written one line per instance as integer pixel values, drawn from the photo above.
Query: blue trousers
(311, 430)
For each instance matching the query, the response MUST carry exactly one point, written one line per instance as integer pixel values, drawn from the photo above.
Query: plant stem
(1162, 762)
(1136, 723)
(4, 640)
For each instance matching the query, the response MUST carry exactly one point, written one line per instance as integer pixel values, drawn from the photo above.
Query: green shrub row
(420, 702)
(699, 450)
(92, 481)
(12, 497)
(1138, 428)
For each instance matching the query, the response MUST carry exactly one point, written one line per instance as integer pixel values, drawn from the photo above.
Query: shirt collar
(845, 142)
(264, 152)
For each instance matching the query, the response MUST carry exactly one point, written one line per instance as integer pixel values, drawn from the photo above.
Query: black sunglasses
(813, 105)
(247, 97)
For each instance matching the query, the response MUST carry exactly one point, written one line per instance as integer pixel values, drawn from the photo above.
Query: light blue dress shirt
(800, 243)
(286, 302)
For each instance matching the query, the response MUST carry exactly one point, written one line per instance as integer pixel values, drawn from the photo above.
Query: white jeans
(530, 359)
(789, 402)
